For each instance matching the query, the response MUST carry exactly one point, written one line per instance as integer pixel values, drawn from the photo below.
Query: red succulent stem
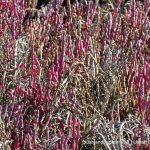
(62, 63)
(69, 8)
(133, 12)
(53, 74)
(78, 134)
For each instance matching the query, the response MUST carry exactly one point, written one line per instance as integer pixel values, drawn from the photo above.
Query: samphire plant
(76, 76)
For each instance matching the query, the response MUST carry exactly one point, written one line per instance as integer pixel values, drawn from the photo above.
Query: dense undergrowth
(75, 77)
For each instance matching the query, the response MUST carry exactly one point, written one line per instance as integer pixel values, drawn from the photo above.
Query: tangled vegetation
(75, 75)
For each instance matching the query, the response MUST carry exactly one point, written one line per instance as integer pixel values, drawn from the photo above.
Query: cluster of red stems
(35, 108)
